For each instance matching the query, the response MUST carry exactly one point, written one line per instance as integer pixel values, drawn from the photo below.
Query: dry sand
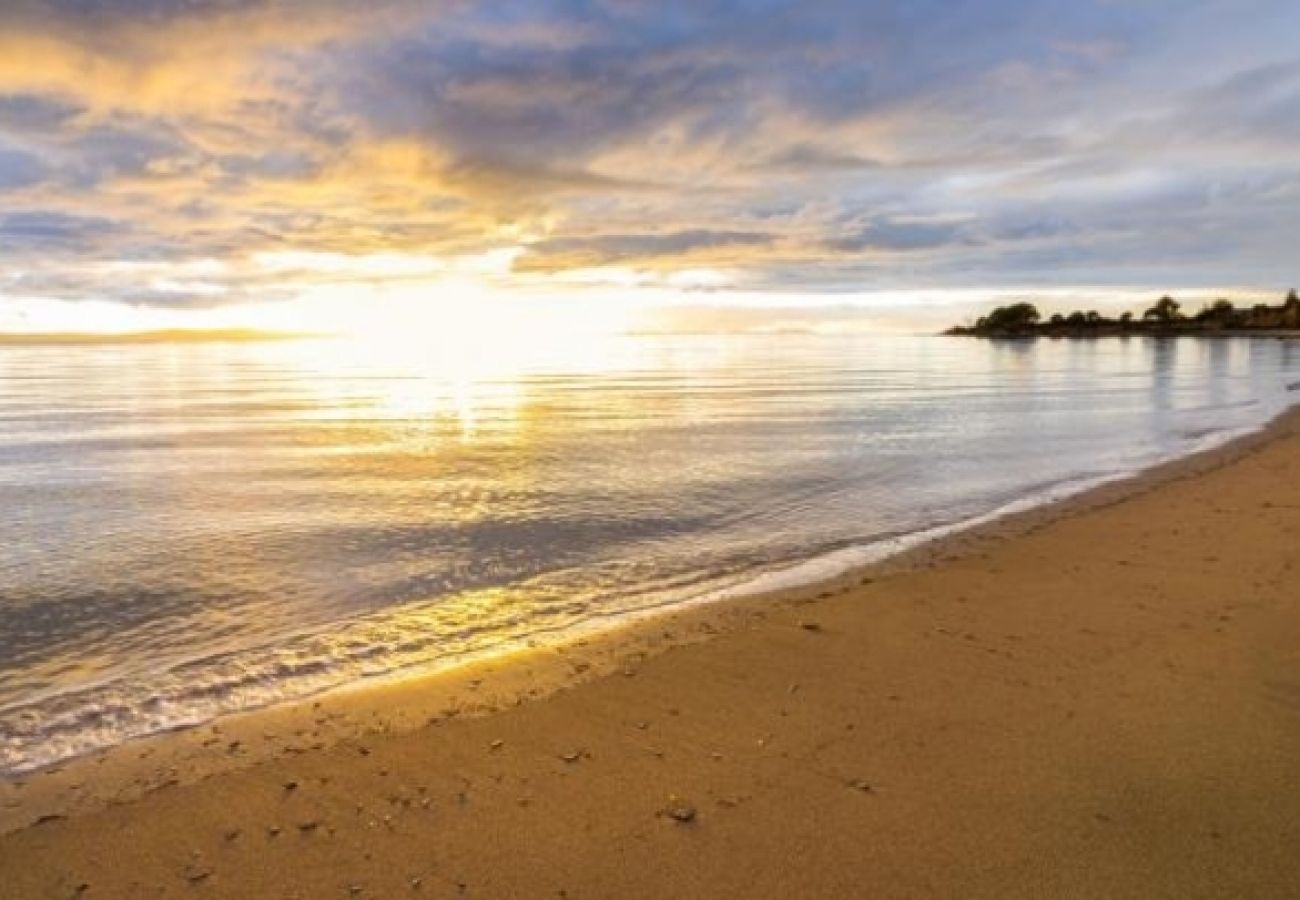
(1099, 700)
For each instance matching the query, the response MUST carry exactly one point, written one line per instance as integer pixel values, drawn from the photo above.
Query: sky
(332, 162)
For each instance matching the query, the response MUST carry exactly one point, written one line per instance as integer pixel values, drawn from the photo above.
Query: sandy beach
(1101, 699)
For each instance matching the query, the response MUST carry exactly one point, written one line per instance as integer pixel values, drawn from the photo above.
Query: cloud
(52, 232)
(810, 159)
(19, 169)
(28, 114)
(622, 249)
(828, 144)
(888, 234)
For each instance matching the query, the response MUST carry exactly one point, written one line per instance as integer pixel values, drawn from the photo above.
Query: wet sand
(1097, 700)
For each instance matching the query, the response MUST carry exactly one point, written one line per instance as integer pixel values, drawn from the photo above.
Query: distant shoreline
(1069, 332)
(164, 336)
(1165, 318)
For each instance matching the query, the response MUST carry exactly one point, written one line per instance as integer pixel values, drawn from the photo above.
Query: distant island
(1163, 319)
(167, 336)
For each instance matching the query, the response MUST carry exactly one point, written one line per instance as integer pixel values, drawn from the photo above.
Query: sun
(459, 307)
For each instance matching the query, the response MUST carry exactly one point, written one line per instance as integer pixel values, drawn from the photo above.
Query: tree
(1165, 310)
(1015, 317)
(1220, 312)
(1290, 317)
(1125, 317)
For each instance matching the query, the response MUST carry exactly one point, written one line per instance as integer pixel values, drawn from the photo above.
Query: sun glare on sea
(417, 348)
(448, 351)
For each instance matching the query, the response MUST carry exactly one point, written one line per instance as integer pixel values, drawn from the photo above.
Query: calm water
(192, 529)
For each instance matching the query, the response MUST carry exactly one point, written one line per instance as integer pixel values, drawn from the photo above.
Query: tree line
(1166, 315)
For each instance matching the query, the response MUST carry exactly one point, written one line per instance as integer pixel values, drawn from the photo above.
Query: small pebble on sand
(681, 812)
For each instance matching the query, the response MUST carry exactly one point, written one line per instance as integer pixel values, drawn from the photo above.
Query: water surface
(190, 529)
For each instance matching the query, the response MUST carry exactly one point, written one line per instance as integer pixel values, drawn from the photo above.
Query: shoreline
(594, 648)
(1097, 698)
(409, 700)
(1097, 334)
(157, 336)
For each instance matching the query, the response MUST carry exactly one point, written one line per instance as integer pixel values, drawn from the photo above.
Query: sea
(194, 529)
